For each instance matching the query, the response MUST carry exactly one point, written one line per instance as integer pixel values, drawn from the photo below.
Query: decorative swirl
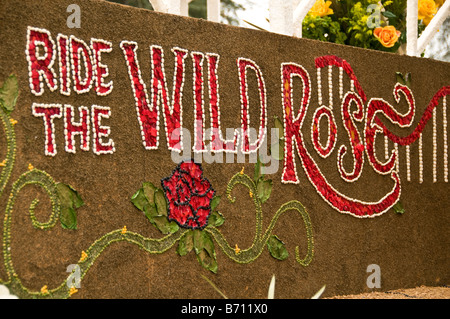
(153, 246)
(10, 149)
(44, 180)
(260, 240)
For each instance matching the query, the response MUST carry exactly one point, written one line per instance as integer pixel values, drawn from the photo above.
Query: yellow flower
(427, 9)
(439, 3)
(251, 194)
(387, 36)
(242, 170)
(72, 291)
(237, 249)
(13, 121)
(321, 8)
(44, 290)
(3, 163)
(30, 167)
(83, 256)
(124, 230)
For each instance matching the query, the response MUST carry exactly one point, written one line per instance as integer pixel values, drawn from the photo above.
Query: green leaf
(9, 93)
(277, 248)
(264, 189)
(205, 250)
(70, 200)
(399, 77)
(186, 244)
(207, 261)
(76, 198)
(150, 212)
(149, 191)
(198, 240)
(216, 219)
(408, 79)
(279, 125)
(163, 224)
(68, 218)
(208, 244)
(389, 14)
(257, 173)
(398, 208)
(215, 202)
(160, 202)
(277, 150)
(139, 200)
(173, 227)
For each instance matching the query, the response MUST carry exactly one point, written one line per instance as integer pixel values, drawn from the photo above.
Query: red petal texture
(189, 195)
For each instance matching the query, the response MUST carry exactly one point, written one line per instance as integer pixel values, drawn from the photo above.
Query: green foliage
(152, 202)
(405, 80)
(70, 201)
(358, 32)
(277, 248)
(263, 186)
(9, 93)
(205, 251)
(323, 29)
(200, 241)
(353, 22)
(398, 208)
(277, 149)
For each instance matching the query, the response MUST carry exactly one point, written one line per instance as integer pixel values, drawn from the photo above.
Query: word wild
(81, 69)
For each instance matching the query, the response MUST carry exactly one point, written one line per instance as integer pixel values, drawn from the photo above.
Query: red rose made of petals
(189, 195)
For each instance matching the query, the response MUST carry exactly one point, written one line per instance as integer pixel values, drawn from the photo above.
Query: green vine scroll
(261, 239)
(196, 234)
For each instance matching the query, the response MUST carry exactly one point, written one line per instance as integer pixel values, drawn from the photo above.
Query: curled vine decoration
(149, 199)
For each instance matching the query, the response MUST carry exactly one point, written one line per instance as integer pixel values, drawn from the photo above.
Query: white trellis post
(281, 17)
(213, 10)
(286, 17)
(160, 5)
(184, 7)
(299, 14)
(181, 7)
(411, 27)
(415, 46)
(433, 27)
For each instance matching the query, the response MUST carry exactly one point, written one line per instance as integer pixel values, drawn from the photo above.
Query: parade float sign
(143, 152)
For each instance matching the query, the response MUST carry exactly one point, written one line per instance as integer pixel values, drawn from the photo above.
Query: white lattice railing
(181, 7)
(286, 17)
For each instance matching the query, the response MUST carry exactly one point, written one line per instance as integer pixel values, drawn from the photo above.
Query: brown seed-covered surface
(421, 292)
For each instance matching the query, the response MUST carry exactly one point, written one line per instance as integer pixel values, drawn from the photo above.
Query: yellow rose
(427, 9)
(387, 36)
(321, 8)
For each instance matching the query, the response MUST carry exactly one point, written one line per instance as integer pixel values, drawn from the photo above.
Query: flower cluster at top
(371, 24)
